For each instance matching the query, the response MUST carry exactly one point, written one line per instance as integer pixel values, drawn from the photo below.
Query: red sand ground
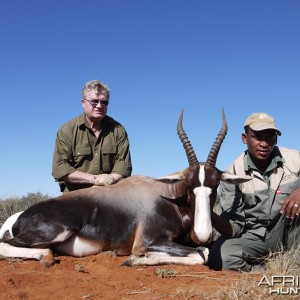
(102, 277)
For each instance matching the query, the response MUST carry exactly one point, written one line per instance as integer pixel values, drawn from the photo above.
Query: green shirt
(77, 148)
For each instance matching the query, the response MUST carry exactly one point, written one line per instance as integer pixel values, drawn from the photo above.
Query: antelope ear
(234, 179)
(174, 190)
(172, 177)
(174, 186)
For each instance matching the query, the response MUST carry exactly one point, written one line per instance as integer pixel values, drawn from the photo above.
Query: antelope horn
(190, 153)
(213, 154)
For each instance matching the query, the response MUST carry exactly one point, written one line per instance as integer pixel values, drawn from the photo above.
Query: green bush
(13, 205)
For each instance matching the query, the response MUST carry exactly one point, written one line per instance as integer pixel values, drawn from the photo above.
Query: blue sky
(157, 57)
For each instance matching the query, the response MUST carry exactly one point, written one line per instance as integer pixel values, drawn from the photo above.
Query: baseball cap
(261, 121)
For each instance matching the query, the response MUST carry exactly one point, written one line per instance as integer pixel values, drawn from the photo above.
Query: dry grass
(243, 286)
(283, 262)
(277, 263)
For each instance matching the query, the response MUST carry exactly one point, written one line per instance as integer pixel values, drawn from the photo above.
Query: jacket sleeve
(233, 207)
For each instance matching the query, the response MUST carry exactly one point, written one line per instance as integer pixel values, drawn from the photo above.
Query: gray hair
(95, 85)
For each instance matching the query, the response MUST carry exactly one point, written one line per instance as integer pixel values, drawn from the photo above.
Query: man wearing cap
(260, 215)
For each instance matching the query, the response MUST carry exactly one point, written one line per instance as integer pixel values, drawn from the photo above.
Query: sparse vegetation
(281, 263)
(165, 272)
(13, 205)
(79, 268)
(245, 286)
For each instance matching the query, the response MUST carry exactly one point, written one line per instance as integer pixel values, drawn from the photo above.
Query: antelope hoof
(204, 252)
(127, 262)
(47, 260)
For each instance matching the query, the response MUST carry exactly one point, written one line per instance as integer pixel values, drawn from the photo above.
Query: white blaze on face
(202, 223)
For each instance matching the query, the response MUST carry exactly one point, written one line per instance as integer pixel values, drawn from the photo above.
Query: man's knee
(227, 254)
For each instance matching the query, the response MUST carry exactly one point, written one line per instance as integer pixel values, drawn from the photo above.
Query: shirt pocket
(250, 201)
(284, 190)
(81, 155)
(108, 157)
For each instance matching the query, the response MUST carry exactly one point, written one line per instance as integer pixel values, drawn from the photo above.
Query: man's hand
(291, 205)
(103, 179)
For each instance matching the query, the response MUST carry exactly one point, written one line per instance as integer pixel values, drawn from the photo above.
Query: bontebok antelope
(152, 221)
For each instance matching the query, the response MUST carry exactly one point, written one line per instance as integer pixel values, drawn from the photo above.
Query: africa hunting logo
(281, 284)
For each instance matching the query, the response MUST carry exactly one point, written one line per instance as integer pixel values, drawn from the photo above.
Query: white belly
(76, 246)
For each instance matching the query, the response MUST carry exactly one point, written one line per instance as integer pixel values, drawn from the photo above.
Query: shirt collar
(83, 123)
(277, 161)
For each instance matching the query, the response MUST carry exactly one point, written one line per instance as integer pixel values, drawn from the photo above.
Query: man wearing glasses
(93, 148)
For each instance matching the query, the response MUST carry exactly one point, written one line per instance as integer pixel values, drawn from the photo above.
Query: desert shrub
(13, 205)
(246, 287)
(283, 262)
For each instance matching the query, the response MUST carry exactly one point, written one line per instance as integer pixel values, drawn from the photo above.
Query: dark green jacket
(77, 148)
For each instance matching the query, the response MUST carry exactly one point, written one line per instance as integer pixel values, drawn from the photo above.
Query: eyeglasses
(95, 102)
